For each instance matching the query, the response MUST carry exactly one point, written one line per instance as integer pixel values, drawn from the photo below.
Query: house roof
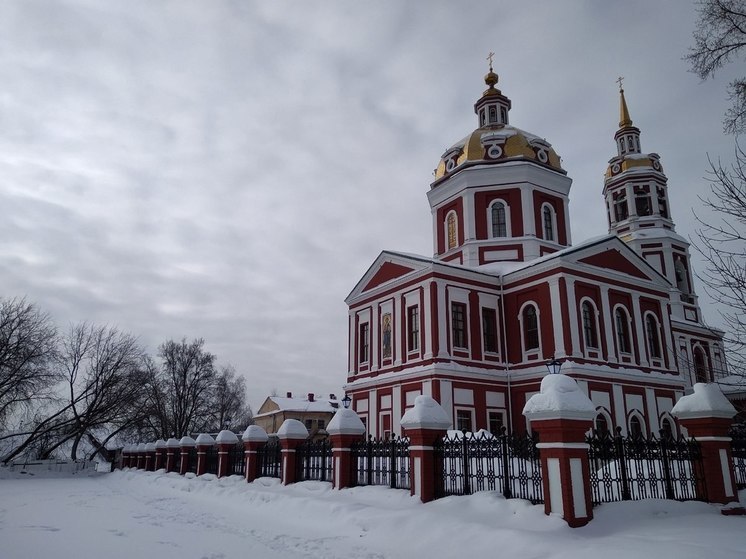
(318, 405)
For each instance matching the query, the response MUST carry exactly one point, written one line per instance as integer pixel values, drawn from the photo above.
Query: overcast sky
(230, 169)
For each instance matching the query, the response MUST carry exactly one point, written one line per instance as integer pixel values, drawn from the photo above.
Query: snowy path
(138, 514)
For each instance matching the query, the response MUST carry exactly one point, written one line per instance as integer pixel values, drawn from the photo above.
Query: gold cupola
(495, 141)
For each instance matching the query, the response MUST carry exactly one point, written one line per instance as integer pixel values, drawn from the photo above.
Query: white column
(527, 210)
(442, 313)
(652, 406)
(572, 308)
(375, 325)
(373, 412)
(428, 316)
(396, 412)
(557, 326)
(637, 313)
(351, 342)
(446, 398)
(620, 415)
(469, 225)
(399, 326)
(669, 343)
(606, 310)
(566, 208)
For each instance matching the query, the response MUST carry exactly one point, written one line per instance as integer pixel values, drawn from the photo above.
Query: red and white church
(474, 325)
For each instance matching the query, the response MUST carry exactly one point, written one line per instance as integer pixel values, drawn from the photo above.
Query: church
(506, 297)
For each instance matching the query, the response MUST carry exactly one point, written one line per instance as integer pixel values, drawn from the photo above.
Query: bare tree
(229, 405)
(27, 349)
(722, 242)
(719, 38)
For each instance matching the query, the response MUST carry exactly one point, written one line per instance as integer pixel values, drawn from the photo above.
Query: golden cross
(619, 81)
(489, 57)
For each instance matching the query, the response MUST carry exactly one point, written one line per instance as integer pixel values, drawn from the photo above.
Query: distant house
(314, 413)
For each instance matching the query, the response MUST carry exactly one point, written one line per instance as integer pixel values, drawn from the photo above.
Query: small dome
(497, 144)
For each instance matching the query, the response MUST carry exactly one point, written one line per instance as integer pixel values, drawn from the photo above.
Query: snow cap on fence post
(561, 413)
(707, 415)
(225, 440)
(172, 448)
(253, 439)
(291, 434)
(344, 429)
(425, 424)
(186, 444)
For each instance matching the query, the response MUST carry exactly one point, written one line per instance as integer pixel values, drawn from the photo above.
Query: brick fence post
(225, 440)
(253, 439)
(204, 443)
(172, 448)
(186, 444)
(160, 454)
(425, 424)
(344, 429)
(150, 457)
(292, 433)
(561, 413)
(707, 415)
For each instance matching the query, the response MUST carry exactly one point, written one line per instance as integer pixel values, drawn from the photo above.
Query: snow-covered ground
(142, 514)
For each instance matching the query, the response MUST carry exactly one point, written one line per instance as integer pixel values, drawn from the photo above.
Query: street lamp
(227, 423)
(346, 401)
(554, 366)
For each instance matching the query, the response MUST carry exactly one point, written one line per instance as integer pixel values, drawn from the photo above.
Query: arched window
(451, 230)
(530, 328)
(635, 426)
(621, 323)
(499, 219)
(590, 334)
(652, 333)
(601, 425)
(700, 365)
(547, 216)
(667, 429)
(682, 281)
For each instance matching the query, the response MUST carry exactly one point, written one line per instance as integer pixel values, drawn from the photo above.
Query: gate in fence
(738, 450)
(634, 468)
(381, 462)
(270, 459)
(508, 463)
(313, 460)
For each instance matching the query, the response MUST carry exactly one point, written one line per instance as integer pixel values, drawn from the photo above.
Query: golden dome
(637, 161)
(497, 144)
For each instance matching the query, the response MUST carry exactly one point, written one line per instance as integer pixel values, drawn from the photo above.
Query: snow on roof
(733, 384)
(321, 405)
(706, 400)
(559, 394)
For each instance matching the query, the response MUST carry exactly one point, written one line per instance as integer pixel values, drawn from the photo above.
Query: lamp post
(554, 366)
(346, 401)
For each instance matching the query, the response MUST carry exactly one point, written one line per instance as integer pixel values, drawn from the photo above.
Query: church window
(451, 229)
(363, 343)
(667, 428)
(630, 144)
(621, 211)
(700, 365)
(482, 120)
(458, 324)
(601, 425)
(662, 208)
(653, 336)
(489, 329)
(495, 422)
(493, 114)
(635, 427)
(499, 220)
(590, 335)
(530, 328)
(622, 331)
(548, 220)
(413, 328)
(504, 115)
(682, 281)
(463, 420)
(643, 206)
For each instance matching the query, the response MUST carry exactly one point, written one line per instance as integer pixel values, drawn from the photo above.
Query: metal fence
(211, 460)
(313, 460)
(634, 468)
(237, 460)
(192, 467)
(270, 459)
(738, 449)
(381, 462)
(508, 463)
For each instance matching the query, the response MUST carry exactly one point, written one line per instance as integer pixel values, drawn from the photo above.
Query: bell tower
(636, 195)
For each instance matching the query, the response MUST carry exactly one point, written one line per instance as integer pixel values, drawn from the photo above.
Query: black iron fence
(738, 449)
(381, 462)
(313, 460)
(634, 468)
(211, 460)
(508, 463)
(237, 460)
(192, 466)
(270, 459)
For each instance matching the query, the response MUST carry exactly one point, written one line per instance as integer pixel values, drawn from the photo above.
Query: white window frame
(630, 336)
(535, 351)
(550, 207)
(455, 230)
(506, 207)
(457, 409)
(596, 317)
(656, 361)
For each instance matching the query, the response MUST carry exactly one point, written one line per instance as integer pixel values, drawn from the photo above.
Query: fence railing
(192, 466)
(634, 468)
(381, 462)
(508, 463)
(237, 460)
(313, 461)
(211, 460)
(738, 449)
(270, 459)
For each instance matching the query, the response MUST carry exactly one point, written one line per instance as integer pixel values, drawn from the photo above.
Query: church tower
(636, 194)
(500, 194)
